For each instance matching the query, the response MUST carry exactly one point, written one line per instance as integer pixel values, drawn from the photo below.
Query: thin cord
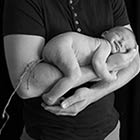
(29, 68)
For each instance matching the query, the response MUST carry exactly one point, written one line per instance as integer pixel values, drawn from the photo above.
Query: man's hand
(120, 61)
(87, 75)
(84, 96)
(72, 105)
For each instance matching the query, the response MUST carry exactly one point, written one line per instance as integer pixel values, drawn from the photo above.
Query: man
(28, 26)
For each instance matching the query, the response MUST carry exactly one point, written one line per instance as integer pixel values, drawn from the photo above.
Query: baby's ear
(104, 34)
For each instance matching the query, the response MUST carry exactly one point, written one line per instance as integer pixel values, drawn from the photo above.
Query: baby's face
(120, 40)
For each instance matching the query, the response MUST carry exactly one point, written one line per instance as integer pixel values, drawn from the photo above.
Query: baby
(121, 41)
(70, 51)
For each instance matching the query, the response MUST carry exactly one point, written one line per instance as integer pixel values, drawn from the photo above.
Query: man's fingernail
(135, 49)
(64, 105)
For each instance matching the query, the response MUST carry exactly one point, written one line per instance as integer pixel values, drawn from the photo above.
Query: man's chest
(90, 17)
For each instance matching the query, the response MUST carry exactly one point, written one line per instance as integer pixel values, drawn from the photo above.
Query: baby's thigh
(65, 59)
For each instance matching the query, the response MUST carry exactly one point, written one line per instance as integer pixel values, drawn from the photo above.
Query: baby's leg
(99, 62)
(66, 61)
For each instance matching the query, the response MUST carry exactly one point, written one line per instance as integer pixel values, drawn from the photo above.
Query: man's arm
(103, 88)
(132, 68)
(85, 96)
(22, 50)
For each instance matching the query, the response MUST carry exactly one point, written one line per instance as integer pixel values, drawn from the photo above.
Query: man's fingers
(78, 96)
(72, 105)
(132, 53)
(73, 110)
(71, 100)
(70, 111)
(51, 101)
(129, 56)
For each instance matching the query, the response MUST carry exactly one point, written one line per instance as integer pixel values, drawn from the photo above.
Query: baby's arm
(99, 61)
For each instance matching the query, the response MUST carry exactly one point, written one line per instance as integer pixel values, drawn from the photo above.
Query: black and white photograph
(70, 69)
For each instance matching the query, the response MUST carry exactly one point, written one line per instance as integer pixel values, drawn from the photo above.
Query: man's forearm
(103, 88)
(44, 76)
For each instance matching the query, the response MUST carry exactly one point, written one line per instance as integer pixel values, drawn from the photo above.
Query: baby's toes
(48, 100)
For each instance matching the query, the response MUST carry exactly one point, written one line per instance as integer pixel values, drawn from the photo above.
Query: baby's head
(121, 39)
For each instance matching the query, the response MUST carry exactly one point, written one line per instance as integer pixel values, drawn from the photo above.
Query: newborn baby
(70, 51)
(121, 41)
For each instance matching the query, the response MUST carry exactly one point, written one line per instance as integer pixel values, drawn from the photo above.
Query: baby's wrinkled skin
(69, 51)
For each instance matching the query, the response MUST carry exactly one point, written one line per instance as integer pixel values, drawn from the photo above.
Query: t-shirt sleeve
(23, 17)
(119, 13)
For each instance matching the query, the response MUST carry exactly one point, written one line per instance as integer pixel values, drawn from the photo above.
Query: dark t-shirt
(49, 18)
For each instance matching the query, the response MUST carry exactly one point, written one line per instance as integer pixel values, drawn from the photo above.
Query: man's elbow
(27, 90)
(21, 87)
(25, 93)
(137, 64)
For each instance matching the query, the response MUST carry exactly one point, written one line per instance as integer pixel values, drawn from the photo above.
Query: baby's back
(83, 47)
